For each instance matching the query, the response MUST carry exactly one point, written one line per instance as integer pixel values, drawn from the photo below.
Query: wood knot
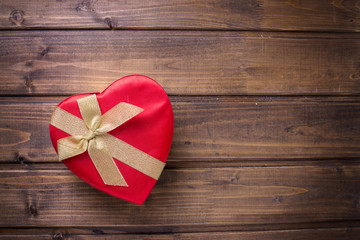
(17, 17)
(355, 76)
(303, 130)
(110, 23)
(45, 51)
(58, 236)
(28, 81)
(277, 199)
(235, 179)
(33, 210)
(19, 158)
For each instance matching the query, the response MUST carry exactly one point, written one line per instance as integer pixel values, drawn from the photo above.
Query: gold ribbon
(91, 134)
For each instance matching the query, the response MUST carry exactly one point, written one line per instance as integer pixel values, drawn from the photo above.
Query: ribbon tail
(69, 147)
(133, 157)
(105, 164)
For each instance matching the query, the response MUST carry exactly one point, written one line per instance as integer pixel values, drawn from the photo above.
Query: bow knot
(90, 135)
(93, 130)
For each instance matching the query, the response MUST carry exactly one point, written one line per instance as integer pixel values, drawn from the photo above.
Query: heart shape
(150, 131)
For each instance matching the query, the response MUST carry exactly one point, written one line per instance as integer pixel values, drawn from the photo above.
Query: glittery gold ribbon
(91, 134)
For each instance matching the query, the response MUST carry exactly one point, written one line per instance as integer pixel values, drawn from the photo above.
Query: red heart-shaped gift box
(151, 132)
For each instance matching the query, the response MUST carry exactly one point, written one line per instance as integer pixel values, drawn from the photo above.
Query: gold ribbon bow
(91, 134)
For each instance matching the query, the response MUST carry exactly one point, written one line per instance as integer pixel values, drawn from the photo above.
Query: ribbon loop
(105, 164)
(90, 134)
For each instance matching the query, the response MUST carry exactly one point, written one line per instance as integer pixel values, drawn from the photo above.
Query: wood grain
(183, 62)
(298, 234)
(294, 15)
(218, 128)
(41, 196)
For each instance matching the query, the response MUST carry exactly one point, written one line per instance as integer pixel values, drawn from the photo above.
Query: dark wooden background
(266, 98)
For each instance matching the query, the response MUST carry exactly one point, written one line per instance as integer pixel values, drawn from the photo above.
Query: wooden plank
(320, 15)
(184, 63)
(131, 230)
(41, 197)
(298, 234)
(219, 128)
